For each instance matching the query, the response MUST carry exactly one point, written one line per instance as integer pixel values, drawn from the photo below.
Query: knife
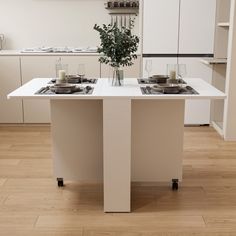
(40, 91)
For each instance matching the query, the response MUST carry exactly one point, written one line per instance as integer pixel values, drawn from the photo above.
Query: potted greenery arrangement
(118, 47)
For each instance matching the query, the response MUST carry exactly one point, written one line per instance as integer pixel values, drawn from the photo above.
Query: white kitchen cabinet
(10, 110)
(44, 67)
(129, 71)
(159, 65)
(197, 112)
(197, 26)
(37, 67)
(160, 26)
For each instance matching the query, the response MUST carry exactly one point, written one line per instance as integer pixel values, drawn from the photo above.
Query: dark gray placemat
(157, 81)
(70, 81)
(47, 91)
(186, 90)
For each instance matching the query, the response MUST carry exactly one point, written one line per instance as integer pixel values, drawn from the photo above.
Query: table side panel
(77, 132)
(157, 140)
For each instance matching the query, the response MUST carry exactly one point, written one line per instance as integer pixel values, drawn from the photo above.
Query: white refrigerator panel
(197, 26)
(160, 26)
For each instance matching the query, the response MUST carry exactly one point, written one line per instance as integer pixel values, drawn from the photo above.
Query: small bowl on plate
(159, 78)
(169, 88)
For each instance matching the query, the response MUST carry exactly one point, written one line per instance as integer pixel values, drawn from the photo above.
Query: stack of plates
(63, 88)
(167, 88)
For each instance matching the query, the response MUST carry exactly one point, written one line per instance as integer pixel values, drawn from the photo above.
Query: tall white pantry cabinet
(181, 31)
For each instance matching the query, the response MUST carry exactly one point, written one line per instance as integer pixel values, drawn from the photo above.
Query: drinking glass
(81, 71)
(60, 66)
(181, 71)
(171, 71)
(148, 67)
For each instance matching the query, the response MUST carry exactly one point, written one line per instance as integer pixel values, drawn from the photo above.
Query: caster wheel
(175, 184)
(60, 182)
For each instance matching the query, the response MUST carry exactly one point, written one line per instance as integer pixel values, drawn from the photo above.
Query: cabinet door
(159, 65)
(129, 72)
(197, 26)
(37, 111)
(160, 26)
(197, 112)
(10, 110)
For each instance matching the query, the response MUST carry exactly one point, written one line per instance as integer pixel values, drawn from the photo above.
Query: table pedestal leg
(117, 154)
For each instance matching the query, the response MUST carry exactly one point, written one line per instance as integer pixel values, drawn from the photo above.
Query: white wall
(30, 23)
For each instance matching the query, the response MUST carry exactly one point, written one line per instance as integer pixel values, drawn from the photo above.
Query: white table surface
(131, 89)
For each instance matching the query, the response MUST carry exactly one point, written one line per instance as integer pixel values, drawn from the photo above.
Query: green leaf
(118, 45)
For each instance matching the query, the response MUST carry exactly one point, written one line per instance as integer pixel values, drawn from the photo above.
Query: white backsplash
(56, 23)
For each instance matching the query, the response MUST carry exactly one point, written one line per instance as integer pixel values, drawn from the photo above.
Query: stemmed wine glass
(148, 67)
(81, 71)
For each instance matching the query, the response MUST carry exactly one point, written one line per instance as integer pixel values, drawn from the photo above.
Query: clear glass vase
(118, 77)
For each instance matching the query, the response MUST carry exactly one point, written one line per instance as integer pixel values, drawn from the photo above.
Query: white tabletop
(131, 89)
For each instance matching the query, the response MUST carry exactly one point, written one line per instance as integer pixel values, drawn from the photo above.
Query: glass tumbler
(172, 71)
(60, 66)
(181, 71)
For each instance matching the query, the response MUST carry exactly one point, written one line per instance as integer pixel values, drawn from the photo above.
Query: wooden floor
(31, 204)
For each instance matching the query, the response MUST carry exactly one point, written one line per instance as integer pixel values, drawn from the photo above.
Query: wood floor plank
(114, 220)
(27, 167)
(2, 181)
(17, 220)
(3, 198)
(34, 232)
(9, 162)
(120, 233)
(219, 221)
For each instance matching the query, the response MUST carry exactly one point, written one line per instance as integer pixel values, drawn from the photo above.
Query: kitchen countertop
(19, 53)
(131, 90)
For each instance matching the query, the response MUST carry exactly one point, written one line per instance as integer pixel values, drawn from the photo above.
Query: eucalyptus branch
(118, 45)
